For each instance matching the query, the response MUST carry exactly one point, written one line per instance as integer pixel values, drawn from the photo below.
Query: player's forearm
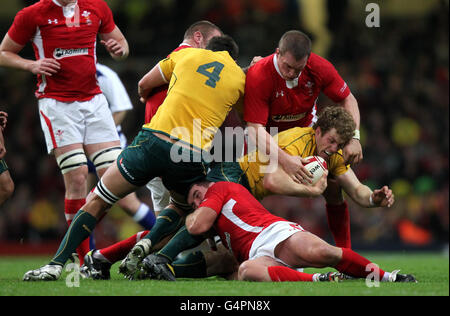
(194, 226)
(351, 105)
(13, 60)
(151, 80)
(264, 142)
(278, 182)
(361, 195)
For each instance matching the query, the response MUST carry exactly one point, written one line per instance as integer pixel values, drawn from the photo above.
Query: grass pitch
(431, 270)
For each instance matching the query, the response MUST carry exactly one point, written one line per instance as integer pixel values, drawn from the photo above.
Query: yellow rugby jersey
(203, 87)
(296, 141)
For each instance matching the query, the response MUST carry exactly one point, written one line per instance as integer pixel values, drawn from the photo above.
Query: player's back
(241, 217)
(204, 86)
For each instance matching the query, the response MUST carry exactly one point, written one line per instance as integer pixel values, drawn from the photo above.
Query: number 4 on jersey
(213, 75)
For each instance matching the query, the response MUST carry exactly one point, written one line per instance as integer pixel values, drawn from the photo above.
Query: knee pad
(105, 157)
(71, 160)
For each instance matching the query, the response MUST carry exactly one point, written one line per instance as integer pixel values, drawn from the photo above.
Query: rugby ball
(316, 166)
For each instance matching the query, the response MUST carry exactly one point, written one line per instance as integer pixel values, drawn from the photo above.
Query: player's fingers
(50, 67)
(51, 63)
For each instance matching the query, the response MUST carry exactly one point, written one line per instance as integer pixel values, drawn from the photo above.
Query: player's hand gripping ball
(316, 166)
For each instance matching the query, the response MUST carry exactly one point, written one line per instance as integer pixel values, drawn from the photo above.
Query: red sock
(119, 250)
(279, 274)
(355, 265)
(71, 207)
(339, 222)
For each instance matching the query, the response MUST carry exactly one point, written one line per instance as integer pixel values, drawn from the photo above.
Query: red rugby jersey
(270, 102)
(70, 40)
(240, 216)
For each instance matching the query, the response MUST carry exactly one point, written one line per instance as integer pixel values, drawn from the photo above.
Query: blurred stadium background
(399, 73)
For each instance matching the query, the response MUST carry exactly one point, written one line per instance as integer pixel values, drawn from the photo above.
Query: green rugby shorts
(148, 157)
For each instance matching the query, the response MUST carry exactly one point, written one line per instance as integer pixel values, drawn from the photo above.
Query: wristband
(357, 134)
(371, 203)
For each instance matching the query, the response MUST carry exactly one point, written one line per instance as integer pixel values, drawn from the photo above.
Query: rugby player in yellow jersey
(326, 139)
(204, 84)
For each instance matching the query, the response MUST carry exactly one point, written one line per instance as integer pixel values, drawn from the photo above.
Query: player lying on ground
(268, 247)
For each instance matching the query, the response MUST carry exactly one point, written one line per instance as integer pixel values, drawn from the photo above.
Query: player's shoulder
(97, 7)
(226, 187)
(263, 67)
(295, 135)
(299, 131)
(178, 53)
(319, 65)
(96, 3)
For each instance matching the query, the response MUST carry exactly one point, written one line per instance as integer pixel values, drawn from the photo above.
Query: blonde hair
(339, 118)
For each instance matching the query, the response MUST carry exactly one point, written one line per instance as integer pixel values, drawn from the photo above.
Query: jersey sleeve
(256, 97)
(166, 66)
(23, 27)
(107, 25)
(214, 198)
(334, 86)
(337, 165)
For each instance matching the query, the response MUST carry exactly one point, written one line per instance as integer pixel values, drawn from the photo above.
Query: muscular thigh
(302, 249)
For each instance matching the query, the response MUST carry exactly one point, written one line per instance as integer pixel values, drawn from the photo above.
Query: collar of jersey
(289, 83)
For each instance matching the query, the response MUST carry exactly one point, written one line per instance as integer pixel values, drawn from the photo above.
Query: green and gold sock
(180, 242)
(81, 228)
(167, 223)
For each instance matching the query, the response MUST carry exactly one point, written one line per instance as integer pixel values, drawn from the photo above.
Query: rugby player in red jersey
(281, 92)
(75, 117)
(268, 247)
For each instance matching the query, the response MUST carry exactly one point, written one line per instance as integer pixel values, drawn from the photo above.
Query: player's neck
(64, 3)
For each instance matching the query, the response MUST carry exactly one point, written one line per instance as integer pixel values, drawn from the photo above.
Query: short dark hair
(204, 27)
(295, 42)
(203, 182)
(224, 42)
(339, 118)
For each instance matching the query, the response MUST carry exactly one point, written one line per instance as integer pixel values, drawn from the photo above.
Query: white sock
(385, 277)
(316, 277)
(98, 255)
(141, 212)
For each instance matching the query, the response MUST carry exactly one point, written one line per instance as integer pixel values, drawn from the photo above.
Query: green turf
(431, 269)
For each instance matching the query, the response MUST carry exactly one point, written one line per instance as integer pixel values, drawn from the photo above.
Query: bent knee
(251, 271)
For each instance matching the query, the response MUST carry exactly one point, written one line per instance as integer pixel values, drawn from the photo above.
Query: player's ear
(198, 37)
(318, 131)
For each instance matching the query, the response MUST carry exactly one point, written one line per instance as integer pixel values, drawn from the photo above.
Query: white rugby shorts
(66, 123)
(269, 238)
